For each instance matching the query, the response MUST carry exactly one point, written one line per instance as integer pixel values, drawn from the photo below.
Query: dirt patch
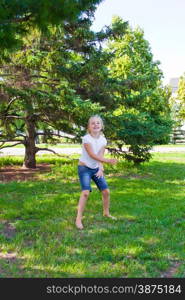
(170, 273)
(8, 261)
(18, 173)
(8, 230)
(8, 256)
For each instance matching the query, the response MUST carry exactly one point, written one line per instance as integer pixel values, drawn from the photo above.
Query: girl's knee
(85, 193)
(106, 192)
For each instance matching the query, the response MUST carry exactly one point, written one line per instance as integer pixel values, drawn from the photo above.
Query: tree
(55, 82)
(60, 77)
(142, 114)
(181, 97)
(18, 17)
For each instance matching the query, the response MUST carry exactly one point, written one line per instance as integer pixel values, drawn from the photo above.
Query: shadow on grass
(145, 240)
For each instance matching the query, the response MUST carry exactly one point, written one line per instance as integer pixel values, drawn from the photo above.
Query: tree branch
(2, 144)
(15, 117)
(45, 77)
(50, 150)
(12, 140)
(52, 84)
(55, 134)
(20, 19)
(116, 151)
(9, 104)
(8, 146)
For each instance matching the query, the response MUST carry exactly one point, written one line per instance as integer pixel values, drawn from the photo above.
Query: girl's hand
(99, 174)
(113, 161)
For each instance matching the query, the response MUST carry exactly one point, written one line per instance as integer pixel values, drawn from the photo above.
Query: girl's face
(95, 125)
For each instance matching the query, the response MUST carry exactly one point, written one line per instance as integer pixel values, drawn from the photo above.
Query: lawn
(38, 237)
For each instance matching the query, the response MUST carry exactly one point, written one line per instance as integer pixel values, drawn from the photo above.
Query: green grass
(147, 240)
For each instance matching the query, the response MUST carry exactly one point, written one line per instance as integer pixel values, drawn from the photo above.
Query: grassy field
(38, 237)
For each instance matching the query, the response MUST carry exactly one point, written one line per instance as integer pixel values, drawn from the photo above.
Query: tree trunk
(30, 148)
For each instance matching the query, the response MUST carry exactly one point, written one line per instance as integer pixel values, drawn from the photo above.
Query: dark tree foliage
(61, 76)
(18, 17)
(53, 84)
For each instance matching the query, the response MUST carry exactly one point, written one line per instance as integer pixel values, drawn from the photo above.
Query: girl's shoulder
(103, 139)
(102, 136)
(86, 135)
(86, 138)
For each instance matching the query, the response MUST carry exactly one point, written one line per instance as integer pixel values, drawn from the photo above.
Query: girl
(90, 167)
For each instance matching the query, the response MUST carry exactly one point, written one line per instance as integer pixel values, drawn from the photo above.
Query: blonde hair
(93, 117)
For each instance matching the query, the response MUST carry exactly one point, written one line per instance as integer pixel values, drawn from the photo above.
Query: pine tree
(18, 17)
(53, 83)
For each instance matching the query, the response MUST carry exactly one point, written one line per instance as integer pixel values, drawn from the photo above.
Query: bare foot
(111, 217)
(79, 224)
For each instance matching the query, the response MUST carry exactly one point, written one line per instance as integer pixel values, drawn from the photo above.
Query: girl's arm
(98, 157)
(101, 154)
(99, 174)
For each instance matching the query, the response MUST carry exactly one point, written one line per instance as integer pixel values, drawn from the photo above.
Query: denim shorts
(86, 174)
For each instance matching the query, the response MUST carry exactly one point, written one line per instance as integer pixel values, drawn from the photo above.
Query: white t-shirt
(97, 144)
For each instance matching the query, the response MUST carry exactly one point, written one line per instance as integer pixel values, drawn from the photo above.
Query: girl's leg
(81, 205)
(102, 185)
(106, 203)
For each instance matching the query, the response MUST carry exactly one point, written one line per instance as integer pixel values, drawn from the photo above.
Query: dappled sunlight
(128, 251)
(149, 240)
(60, 267)
(11, 264)
(177, 182)
(167, 254)
(126, 217)
(38, 224)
